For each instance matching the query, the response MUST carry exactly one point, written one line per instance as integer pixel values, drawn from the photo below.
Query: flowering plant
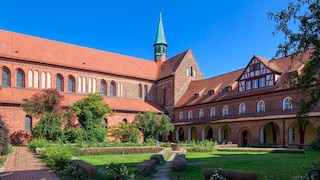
(217, 176)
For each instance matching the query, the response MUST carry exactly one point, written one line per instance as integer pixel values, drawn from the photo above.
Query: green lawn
(270, 165)
(129, 160)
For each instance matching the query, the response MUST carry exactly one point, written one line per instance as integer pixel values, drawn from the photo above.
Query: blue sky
(223, 35)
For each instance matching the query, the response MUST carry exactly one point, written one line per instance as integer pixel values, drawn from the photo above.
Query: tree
(300, 23)
(46, 105)
(125, 132)
(90, 112)
(151, 124)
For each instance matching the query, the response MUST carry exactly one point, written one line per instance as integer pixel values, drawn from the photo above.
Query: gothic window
(201, 113)
(190, 115)
(28, 123)
(59, 82)
(225, 110)
(125, 121)
(5, 77)
(212, 112)
(242, 108)
(287, 103)
(112, 89)
(140, 91)
(191, 71)
(180, 115)
(103, 87)
(20, 79)
(261, 106)
(71, 84)
(104, 123)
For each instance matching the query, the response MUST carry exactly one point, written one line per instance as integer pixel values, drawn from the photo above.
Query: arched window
(190, 115)
(36, 79)
(79, 84)
(287, 103)
(103, 87)
(48, 80)
(59, 82)
(84, 84)
(201, 113)
(71, 84)
(125, 121)
(30, 77)
(43, 80)
(145, 91)
(226, 134)
(242, 108)
(261, 106)
(225, 110)
(140, 91)
(6, 77)
(94, 85)
(112, 89)
(180, 115)
(28, 123)
(89, 85)
(191, 71)
(104, 123)
(212, 112)
(20, 79)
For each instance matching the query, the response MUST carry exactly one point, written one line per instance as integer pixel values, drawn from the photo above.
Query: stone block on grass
(89, 170)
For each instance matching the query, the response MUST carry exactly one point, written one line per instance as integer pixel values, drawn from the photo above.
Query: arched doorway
(207, 133)
(301, 133)
(179, 134)
(270, 133)
(192, 134)
(245, 138)
(224, 133)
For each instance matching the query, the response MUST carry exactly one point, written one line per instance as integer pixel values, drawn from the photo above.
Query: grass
(129, 160)
(270, 165)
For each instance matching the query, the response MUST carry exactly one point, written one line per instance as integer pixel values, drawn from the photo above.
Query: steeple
(160, 44)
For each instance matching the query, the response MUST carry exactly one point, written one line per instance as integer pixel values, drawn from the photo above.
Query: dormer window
(196, 95)
(293, 74)
(228, 88)
(211, 92)
(222, 90)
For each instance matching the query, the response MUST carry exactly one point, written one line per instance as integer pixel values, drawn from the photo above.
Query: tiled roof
(219, 83)
(29, 48)
(133, 105)
(169, 67)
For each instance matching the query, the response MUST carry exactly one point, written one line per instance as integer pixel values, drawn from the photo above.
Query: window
(228, 88)
(180, 115)
(287, 103)
(255, 84)
(48, 80)
(43, 80)
(226, 134)
(248, 85)
(225, 110)
(125, 121)
(5, 77)
(59, 82)
(145, 91)
(242, 108)
(28, 123)
(196, 95)
(191, 71)
(201, 113)
(104, 123)
(211, 92)
(71, 84)
(190, 115)
(36, 79)
(262, 82)
(212, 112)
(30, 78)
(20, 79)
(140, 91)
(103, 87)
(261, 106)
(112, 88)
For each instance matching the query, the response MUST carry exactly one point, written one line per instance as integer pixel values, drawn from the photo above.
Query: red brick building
(247, 106)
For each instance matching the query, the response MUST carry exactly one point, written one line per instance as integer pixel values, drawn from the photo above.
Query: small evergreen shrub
(4, 139)
(57, 157)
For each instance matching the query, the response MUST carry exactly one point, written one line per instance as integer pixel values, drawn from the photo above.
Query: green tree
(125, 132)
(90, 112)
(300, 24)
(46, 105)
(151, 124)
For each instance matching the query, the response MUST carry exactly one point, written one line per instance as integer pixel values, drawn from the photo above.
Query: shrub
(48, 128)
(315, 145)
(71, 170)
(73, 135)
(38, 143)
(57, 157)
(4, 140)
(117, 171)
(96, 135)
(20, 137)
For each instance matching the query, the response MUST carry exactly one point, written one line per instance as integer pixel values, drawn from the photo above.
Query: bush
(71, 170)
(73, 135)
(57, 157)
(94, 135)
(4, 140)
(117, 171)
(48, 128)
(38, 143)
(315, 145)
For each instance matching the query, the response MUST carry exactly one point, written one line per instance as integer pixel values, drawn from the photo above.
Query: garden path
(164, 171)
(23, 164)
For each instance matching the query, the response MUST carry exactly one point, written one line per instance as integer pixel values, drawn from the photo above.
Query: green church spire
(160, 44)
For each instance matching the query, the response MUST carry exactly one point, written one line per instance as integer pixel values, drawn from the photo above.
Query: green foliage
(93, 136)
(49, 127)
(73, 135)
(116, 171)
(198, 144)
(4, 141)
(56, 157)
(315, 145)
(90, 112)
(125, 132)
(299, 22)
(38, 143)
(72, 171)
(151, 124)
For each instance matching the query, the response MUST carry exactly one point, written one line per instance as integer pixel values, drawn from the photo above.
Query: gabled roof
(170, 66)
(29, 48)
